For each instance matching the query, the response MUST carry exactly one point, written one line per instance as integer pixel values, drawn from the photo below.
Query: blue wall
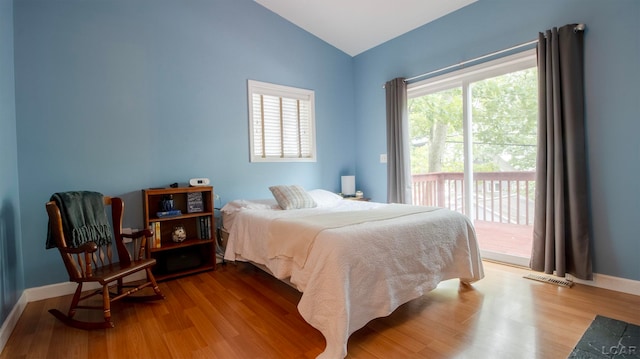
(120, 95)
(612, 56)
(11, 270)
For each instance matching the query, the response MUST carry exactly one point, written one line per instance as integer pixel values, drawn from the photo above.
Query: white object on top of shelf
(199, 182)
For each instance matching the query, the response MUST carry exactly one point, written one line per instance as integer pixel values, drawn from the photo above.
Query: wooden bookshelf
(194, 254)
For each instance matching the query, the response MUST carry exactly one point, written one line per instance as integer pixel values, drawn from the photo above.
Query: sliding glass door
(473, 150)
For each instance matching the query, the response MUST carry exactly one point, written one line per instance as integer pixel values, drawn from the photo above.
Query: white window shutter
(282, 123)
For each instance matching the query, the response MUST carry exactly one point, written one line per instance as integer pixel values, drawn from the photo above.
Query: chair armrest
(88, 247)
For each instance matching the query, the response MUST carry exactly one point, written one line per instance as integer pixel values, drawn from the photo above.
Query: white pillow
(250, 204)
(292, 197)
(324, 198)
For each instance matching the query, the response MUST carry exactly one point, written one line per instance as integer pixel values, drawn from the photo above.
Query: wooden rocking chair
(90, 263)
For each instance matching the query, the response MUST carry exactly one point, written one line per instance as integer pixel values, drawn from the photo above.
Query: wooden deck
(510, 239)
(500, 199)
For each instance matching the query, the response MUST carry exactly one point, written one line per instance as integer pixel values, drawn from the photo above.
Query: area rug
(608, 338)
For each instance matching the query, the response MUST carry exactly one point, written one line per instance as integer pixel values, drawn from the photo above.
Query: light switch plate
(383, 158)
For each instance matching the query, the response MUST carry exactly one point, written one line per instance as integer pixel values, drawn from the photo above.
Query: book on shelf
(171, 213)
(204, 227)
(157, 235)
(199, 227)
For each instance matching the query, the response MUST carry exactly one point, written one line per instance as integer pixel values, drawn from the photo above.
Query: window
(281, 123)
(473, 149)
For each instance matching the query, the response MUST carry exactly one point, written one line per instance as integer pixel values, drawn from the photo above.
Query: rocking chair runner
(90, 263)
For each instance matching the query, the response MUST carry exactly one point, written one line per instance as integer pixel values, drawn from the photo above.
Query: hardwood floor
(241, 312)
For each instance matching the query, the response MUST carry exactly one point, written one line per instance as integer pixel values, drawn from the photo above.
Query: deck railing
(502, 197)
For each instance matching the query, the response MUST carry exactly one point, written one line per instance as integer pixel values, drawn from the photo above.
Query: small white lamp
(348, 186)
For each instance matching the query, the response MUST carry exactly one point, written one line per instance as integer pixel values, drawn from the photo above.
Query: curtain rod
(579, 27)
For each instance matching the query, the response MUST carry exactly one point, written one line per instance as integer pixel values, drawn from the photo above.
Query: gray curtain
(398, 169)
(561, 225)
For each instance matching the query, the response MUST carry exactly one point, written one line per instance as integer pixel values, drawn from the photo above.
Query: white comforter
(356, 273)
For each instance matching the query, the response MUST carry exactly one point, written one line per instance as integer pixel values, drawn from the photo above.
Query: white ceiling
(355, 26)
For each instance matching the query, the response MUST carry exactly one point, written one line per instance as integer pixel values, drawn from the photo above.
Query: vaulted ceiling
(355, 26)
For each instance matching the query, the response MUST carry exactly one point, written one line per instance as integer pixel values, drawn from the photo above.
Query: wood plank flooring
(238, 311)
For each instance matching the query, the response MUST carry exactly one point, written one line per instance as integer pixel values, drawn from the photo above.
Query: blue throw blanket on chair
(83, 219)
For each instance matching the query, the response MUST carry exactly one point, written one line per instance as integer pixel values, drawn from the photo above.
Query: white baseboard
(612, 283)
(60, 289)
(12, 320)
(599, 280)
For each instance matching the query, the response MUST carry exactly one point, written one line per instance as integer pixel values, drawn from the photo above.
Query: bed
(353, 261)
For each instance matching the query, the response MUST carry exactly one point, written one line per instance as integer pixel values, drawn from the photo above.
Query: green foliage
(504, 125)
(435, 120)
